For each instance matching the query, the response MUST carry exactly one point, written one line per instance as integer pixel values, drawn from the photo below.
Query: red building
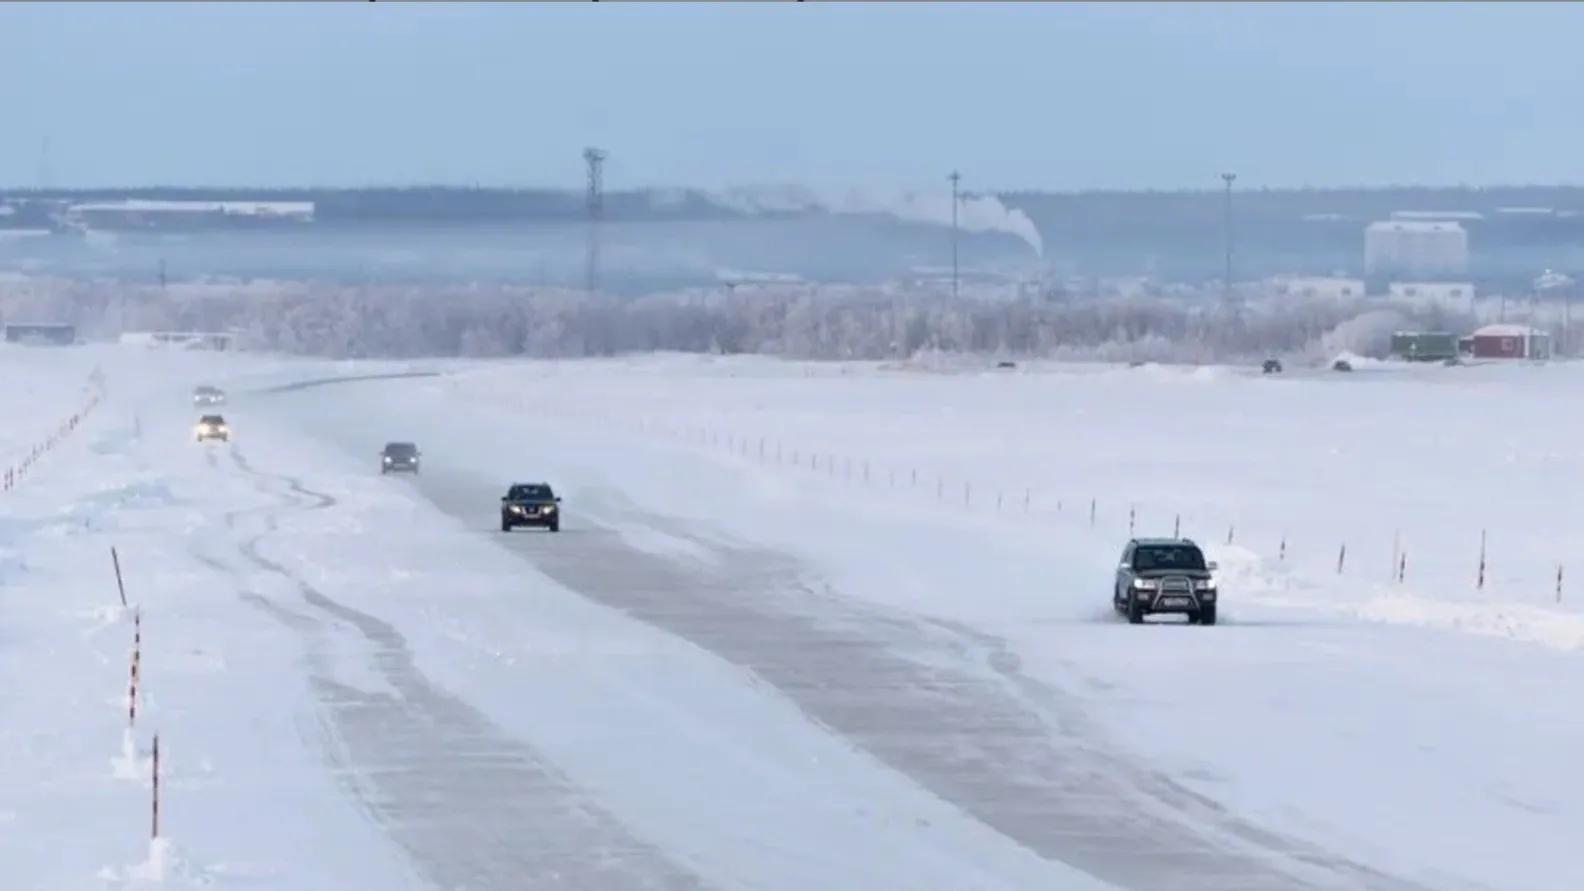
(1509, 342)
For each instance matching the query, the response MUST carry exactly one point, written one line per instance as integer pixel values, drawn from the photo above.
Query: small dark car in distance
(530, 504)
(1165, 576)
(399, 457)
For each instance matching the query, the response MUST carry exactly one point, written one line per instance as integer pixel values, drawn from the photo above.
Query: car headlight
(1145, 584)
(387, 459)
(549, 508)
(1204, 585)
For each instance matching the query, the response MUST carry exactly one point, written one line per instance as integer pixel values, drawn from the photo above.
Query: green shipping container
(1424, 346)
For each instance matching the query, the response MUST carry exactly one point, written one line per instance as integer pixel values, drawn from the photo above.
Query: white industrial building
(1416, 249)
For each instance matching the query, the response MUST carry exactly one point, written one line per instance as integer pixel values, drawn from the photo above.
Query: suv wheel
(1135, 612)
(1207, 615)
(506, 525)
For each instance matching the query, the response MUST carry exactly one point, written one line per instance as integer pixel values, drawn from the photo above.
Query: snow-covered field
(806, 626)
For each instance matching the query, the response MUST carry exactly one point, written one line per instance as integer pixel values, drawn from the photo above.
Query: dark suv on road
(398, 457)
(530, 504)
(1165, 575)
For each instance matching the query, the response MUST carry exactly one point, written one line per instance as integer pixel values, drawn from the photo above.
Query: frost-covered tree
(406, 321)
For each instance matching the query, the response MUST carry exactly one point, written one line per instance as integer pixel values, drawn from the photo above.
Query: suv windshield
(211, 420)
(400, 449)
(1147, 558)
(524, 493)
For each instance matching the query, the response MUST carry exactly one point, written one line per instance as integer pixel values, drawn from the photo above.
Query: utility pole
(595, 159)
(1226, 222)
(956, 182)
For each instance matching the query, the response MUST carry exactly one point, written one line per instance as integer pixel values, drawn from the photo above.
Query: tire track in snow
(472, 808)
(906, 690)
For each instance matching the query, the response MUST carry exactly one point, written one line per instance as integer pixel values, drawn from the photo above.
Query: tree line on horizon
(480, 321)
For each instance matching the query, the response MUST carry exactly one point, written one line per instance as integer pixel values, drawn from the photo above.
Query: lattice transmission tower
(595, 159)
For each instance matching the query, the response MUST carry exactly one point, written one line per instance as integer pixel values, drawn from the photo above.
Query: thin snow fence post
(1281, 552)
(1026, 497)
(1402, 566)
(890, 478)
(761, 448)
(999, 496)
(1092, 511)
(1559, 583)
(1479, 579)
(132, 690)
(115, 561)
(1177, 526)
(1230, 529)
(914, 483)
(1341, 558)
(154, 798)
(1132, 519)
(940, 487)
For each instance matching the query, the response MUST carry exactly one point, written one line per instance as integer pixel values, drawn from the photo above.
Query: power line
(595, 159)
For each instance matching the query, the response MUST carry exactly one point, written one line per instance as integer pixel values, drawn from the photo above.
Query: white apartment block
(1416, 249)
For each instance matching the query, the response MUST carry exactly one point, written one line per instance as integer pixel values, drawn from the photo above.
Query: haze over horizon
(1033, 96)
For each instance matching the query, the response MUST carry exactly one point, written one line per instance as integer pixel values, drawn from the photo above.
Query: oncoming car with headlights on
(530, 504)
(207, 395)
(212, 427)
(1165, 576)
(399, 457)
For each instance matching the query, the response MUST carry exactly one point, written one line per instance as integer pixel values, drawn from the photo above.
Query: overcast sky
(1031, 95)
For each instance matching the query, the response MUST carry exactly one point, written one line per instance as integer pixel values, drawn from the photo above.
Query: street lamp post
(956, 180)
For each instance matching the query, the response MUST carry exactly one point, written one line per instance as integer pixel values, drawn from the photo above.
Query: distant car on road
(530, 504)
(1271, 366)
(1165, 575)
(207, 395)
(212, 427)
(399, 457)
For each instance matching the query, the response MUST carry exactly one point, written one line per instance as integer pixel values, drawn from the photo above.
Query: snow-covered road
(730, 670)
